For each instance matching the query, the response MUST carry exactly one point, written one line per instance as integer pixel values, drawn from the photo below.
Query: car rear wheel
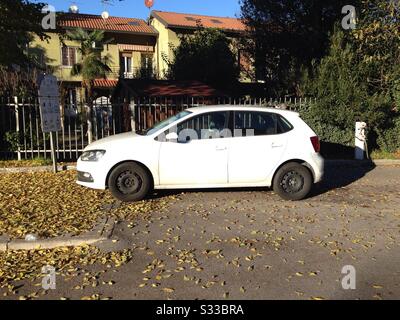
(129, 182)
(293, 181)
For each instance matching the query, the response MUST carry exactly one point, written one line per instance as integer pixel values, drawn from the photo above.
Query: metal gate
(21, 135)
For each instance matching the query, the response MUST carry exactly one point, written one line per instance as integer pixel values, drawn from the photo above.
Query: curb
(362, 163)
(36, 169)
(101, 232)
(329, 162)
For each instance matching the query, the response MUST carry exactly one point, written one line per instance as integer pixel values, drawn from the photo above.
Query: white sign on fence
(49, 100)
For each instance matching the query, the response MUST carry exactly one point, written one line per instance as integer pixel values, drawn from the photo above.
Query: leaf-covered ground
(47, 204)
(50, 205)
(236, 244)
(68, 263)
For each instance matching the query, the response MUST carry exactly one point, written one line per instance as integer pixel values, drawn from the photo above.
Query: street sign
(49, 100)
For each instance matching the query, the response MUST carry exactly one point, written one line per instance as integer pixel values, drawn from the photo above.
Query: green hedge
(389, 139)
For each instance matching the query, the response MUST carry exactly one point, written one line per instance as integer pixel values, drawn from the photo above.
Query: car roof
(206, 109)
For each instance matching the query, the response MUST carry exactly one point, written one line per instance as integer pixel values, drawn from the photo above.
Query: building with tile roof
(137, 48)
(174, 20)
(131, 49)
(111, 24)
(171, 25)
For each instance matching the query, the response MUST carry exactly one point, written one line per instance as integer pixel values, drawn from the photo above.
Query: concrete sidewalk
(358, 163)
(100, 233)
(36, 169)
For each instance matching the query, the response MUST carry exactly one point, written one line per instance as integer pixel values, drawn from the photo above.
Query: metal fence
(21, 135)
(148, 111)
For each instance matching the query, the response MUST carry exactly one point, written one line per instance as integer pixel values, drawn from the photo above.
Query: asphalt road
(250, 244)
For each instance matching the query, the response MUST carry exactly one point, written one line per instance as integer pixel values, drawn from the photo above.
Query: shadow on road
(340, 176)
(335, 177)
(163, 193)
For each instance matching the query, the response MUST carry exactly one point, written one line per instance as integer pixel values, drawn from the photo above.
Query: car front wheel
(129, 182)
(293, 182)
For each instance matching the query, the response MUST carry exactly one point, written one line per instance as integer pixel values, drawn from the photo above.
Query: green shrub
(13, 140)
(343, 97)
(389, 140)
(328, 132)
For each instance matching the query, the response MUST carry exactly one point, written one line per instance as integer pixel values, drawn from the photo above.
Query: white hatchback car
(208, 147)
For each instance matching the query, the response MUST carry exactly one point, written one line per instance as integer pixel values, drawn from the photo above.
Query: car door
(257, 146)
(199, 156)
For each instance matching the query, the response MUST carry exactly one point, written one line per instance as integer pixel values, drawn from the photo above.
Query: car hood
(114, 140)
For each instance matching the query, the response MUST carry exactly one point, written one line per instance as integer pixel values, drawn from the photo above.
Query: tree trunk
(89, 112)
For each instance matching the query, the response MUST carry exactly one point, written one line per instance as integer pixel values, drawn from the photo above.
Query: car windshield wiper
(141, 132)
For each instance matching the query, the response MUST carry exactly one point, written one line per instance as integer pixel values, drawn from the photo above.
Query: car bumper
(91, 174)
(318, 166)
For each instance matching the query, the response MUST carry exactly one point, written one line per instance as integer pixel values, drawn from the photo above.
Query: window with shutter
(68, 56)
(72, 56)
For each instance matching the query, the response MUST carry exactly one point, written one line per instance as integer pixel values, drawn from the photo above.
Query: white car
(208, 147)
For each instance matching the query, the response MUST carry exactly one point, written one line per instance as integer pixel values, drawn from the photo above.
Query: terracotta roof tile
(169, 88)
(88, 21)
(173, 19)
(105, 83)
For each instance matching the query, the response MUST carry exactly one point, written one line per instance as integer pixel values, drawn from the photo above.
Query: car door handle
(276, 145)
(221, 148)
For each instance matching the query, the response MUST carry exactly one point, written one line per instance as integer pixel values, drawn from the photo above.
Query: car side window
(204, 126)
(252, 123)
(283, 125)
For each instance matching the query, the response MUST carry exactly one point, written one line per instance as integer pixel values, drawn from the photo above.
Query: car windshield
(163, 124)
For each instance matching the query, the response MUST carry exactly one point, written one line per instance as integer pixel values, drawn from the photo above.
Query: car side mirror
(171, 137)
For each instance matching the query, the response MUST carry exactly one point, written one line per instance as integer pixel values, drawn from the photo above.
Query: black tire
(293, 181)
(129, 182)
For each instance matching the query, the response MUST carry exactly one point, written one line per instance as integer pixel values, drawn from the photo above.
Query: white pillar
(360, 137)
(17, 126)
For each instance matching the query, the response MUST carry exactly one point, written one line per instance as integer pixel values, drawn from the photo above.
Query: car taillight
(316, 144)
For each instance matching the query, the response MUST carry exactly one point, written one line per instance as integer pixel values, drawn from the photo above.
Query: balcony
(137, 73)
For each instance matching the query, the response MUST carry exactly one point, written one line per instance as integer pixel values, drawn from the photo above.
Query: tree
(205, 56)
(19, 19)
(377, 40)
(286, 35)
(338, 90)
(21, 83)
(19, 67)
(92, 65)
(359, 80)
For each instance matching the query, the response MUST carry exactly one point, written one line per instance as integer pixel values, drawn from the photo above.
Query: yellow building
(131, 49)
(171, 25)
(137, 49)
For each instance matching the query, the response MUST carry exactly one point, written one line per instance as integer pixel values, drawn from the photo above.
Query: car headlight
(92, 155)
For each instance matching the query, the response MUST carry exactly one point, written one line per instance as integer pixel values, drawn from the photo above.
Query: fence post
(53, 151)
(17, 125)
(89, 113)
